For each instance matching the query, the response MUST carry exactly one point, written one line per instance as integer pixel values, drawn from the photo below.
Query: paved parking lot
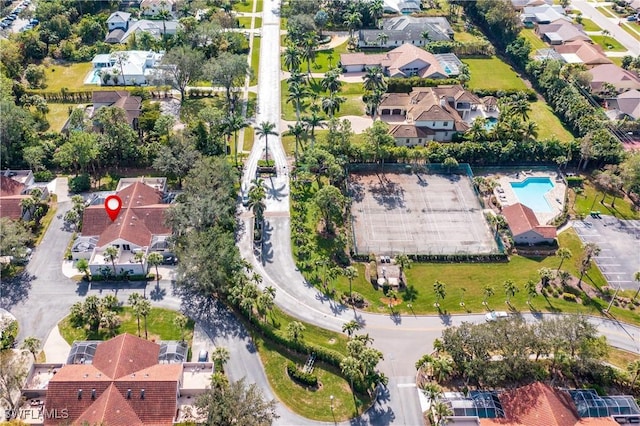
(619, 241)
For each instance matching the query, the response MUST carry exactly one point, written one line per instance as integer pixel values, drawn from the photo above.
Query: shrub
(575, 181)
(373, 272)
(531, 94)
(569, 297)
(44, 176)
(266, 163)
(80, 183)
(300, 376)
(9, 334)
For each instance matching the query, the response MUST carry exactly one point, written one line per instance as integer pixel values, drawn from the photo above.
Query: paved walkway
(55, 348)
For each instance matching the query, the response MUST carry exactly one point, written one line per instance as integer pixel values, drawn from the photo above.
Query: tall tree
(111, 254)
(510, 290)
(229, 71)
(564, 254)
(264, 130)
(220, 356)
(351, 327)
(154, 259)
(12, 376)
(31, 345)
(350, 273)
(295, 330)
(180, 322)
(440, 291)
(180, 66)
(134, 301)
(177, 157)
(330, 202)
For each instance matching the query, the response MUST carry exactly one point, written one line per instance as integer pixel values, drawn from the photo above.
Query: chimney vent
(79, 393)
(141, 393)
(128, 393)
(93, 393)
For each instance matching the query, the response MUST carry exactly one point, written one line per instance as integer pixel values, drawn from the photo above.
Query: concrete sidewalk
(56, 349)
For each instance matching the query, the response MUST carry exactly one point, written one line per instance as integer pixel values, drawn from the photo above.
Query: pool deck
(555, 197)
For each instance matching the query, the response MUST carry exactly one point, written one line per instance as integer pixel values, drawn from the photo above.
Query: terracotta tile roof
(132, 105)
(131, 388)
(141, 217)
(10, 186)
(521, 219)
(395, 99)
(108, 96)
(396, 59)
(611, 73)
(589, 54)
(124, 355)
(361, 58)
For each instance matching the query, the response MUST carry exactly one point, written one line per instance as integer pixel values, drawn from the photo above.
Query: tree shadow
(157, 293)
(396, 317)
(267, 245)
(356, 190)
(445, 317)
(15, 290)
(82, 288)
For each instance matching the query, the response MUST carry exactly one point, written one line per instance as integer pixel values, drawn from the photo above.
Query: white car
(496, 315)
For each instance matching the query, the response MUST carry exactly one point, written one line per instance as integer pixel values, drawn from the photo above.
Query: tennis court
(417, 214)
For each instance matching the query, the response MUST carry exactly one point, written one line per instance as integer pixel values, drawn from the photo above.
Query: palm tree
(292, 56)
(145, 309)
(530, 288)
(478, 131)
(403, 262)
(440, 411)
(220, 356)
(530, 131)
(82, 265)
(488, 292)
(376, 9)
(352, 21)
(31, 344)
(155, 259)
(297, 93)
(350, 272)
(432, 391)
(382, 38)
(442, 369)
(331, 81)
(309, 44)
(27, 205)
(331, 104)
(439, 288)
(233, 124)
(265, 129)
(134, 301)
(111, 254)
(510, 289)
(179, 321)
(110, 321)
(633, 368)
(564, 254)
(295, 330)
(350, 368)
(351, 327)
(297, 130)
(312, 121)
(374, 79)
(426, 35)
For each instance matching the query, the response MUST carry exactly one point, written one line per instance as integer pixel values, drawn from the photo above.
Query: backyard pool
(490, 123)
(93, 77)
(531, 191)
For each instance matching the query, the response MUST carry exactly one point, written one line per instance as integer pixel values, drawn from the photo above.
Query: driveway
(619, 242)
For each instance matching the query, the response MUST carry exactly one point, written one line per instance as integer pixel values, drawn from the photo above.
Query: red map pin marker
(112, 205)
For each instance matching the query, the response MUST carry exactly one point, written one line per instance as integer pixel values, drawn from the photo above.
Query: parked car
(245, 199)
(169, 260)
(203, 356)
(496, 315)
(632, 18)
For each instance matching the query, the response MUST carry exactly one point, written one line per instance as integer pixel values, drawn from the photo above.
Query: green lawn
(245, 22)
(630, 27)
(609, 10)
(327, 59)
(465, 36)
(70, 76)
(608, 43)
(532, 37)
(549, 125)
(589, 25)
(247, 144)
(57, 115)
(289, 142)
(246, 6)
(351, 91)
(493, 73)
(255, 60)
(159, 324)
(591, 197)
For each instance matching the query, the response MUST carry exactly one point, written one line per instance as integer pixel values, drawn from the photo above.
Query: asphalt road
(606, 23)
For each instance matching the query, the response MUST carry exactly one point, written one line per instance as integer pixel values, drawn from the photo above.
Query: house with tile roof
(430, 113)
(123, 384)
(561, 31)
(404, 61)
(132, 105)
(582, 52)
(625, 105)
(620, 78)
(16, 185)
(544, 14)
(139, 227)
(407, 30)
(524, 225)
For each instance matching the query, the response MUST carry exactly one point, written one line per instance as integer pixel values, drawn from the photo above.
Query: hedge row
(404, 85)
(575, 181)
(300, 376)
(448, 258)
(531, 94)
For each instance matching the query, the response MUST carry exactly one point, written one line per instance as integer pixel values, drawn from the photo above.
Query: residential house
(431, 113)
(401, 6)
(625, 105)
(582, 52)
(16, 185)
(403, 61)
(154, 7)
(519, 5)
(133, 67)
(120, 381)
(544, 14)
(136, 27)
(132, 105)
(561, 31)
(634, 4)
(524, 225)
(118, 20)
(620, 78)
(139, 227)
(407, 29)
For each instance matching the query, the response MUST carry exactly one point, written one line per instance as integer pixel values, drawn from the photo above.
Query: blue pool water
(530, 192)
(93, 77)
(491, 123)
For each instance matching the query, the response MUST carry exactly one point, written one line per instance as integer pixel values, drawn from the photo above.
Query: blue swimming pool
(490, 123)
(530, 192)
(93, 77)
